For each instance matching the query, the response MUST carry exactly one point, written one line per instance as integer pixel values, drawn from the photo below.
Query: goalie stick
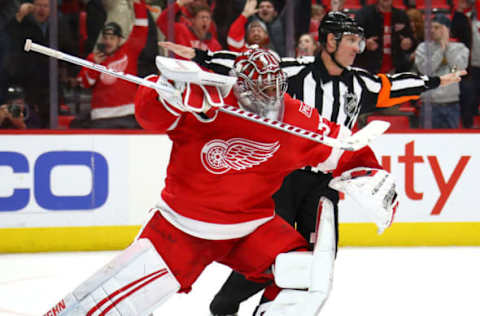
(188, 71)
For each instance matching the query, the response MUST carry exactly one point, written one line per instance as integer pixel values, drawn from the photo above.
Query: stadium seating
(399, 4)
(476, 121)
(396, 3)
(352, 5)
(437, 5)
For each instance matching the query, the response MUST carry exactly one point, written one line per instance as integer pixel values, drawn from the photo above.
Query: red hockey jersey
(225, 170)
(113, 97)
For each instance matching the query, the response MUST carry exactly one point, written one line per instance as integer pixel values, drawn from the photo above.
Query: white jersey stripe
(406, 83)
(327, 100)
(308, 92)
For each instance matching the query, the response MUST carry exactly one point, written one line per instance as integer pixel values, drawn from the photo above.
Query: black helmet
(15, 92)
(112, 28)
(337, 23)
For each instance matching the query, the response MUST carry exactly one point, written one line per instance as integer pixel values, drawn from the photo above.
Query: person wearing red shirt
(217, 201)
(112, 98)
(184, 12)
(196, 35)
(243, 34)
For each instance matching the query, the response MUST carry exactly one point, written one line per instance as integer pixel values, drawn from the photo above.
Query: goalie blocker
(374, 190)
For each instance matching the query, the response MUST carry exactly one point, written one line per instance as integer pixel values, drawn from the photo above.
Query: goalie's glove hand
(189, 97)
(374, 190)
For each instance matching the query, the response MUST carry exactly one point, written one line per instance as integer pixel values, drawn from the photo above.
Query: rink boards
(71, 191)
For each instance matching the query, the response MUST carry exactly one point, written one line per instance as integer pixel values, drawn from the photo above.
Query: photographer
(16, 114)
(112, 98)
(11, 117)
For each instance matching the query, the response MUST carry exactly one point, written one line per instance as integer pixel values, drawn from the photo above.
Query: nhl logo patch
(306, 109)
(350, 103)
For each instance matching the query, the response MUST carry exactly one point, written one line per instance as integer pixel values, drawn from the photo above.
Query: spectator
(318, 12)
(12, 116)
(418, 30)
(276, 21)
(121, 12)
(444, 57)
(184, 12)
(256, 31)
(187, 12)
(112, 98)
(417, 24)
(96, 17)
(224, 13)
(198, 34)
(465, 28)
(307, 45)
(8, 9)
(32, 22)
(16, 114)
(146, 60)
(337, 5)
(389, 38)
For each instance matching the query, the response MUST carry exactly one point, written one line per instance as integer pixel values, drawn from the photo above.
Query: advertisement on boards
(63, 180)
(104, 185)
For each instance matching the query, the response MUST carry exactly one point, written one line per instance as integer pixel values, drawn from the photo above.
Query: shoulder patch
(306, 109)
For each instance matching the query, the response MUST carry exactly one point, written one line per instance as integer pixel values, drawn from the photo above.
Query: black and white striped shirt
(339, 98)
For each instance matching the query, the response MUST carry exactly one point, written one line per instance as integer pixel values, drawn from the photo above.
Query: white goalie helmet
(261, 82)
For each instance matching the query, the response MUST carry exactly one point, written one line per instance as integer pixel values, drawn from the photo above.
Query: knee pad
(134, 283)
(307, 276)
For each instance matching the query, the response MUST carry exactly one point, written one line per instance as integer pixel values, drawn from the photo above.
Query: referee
(339, 93)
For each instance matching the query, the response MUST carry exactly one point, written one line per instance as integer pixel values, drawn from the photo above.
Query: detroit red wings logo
(220, 156)
(117, 65)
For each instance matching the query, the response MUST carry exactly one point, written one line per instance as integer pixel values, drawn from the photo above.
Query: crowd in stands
(123, 35)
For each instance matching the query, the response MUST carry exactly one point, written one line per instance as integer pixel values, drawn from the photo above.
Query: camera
(101, 47)
(15, 110)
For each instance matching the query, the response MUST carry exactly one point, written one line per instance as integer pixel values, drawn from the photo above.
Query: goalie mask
(261, 83)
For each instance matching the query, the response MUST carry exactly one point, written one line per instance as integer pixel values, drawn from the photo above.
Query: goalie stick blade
(189, 71)
(364, 136)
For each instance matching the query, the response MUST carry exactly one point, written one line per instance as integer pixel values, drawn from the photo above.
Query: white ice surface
(368, 281)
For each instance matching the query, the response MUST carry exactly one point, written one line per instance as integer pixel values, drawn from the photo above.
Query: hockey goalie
(217, 202)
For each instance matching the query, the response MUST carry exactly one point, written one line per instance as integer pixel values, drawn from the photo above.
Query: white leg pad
(293, 270)
(312, 271)
(133, 283)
